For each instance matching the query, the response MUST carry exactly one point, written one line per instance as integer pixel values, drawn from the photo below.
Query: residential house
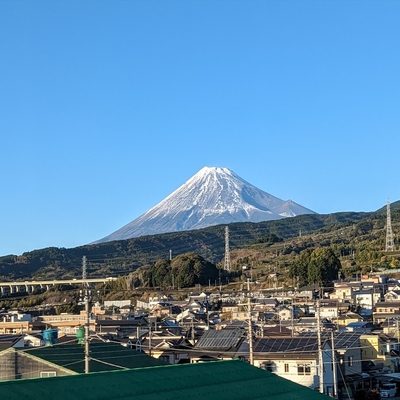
(285, 313)
(361, 326)
(148, 304)
(165, 346)
(365, 300)
(348, 354)
(346, 357)
(162, 309)
(344, 306)
(273, 331)
(295, 359)
(307, 293)
(121, 325)
(68, 323)
(308, 324)
(243, 314)
(224, 344)
(344, 320)
(34, 339)
(329, 308)
(15, 322)
(229, 307)
(342, 292)
(386, 310)
(265, 304)
(379, 349)
(392, 295)
(392, 284)
(196, 306)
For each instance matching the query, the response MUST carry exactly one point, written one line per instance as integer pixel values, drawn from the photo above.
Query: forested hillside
(345, 232)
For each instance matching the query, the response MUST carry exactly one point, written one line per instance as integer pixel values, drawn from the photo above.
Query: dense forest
(289, 245)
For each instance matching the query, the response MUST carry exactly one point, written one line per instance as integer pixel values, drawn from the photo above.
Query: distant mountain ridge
(213, 196)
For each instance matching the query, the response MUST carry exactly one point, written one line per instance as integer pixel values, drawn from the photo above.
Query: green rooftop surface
(105, 356)
(212, 380)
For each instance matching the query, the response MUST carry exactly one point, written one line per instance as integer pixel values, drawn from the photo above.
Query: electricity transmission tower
(389, 232)
(227, 265)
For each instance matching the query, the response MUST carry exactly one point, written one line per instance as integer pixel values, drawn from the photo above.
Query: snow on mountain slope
(291, 209)
(213, 196)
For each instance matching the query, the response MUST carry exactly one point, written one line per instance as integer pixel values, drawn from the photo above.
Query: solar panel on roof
(282, 345)
(225, 338)
(342, 339)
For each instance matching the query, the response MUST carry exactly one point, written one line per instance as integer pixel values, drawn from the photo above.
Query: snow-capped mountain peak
(213, 196)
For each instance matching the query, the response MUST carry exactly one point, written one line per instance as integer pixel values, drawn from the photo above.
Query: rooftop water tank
(80, 334)
(50, 336)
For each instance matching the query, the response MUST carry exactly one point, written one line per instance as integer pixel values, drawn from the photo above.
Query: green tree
(191, 269)
(299, 269)
(324, 266)
(159, 271)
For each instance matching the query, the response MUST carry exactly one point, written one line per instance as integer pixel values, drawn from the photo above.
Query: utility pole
(149, 337)
(292, 312)
(86, 294)
(335, 384)
(251, 351)
(250, 333)
(320, 355)
(151, 320)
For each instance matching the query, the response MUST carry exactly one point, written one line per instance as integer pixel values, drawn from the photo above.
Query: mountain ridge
(124, 256)
(213, 196)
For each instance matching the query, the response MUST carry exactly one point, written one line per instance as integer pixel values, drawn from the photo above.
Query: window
(269, 366)
(286, 367)
(47, 374)
(350, 361)
(303, 369)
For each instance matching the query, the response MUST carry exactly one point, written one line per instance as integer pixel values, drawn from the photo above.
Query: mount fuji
(213, 196)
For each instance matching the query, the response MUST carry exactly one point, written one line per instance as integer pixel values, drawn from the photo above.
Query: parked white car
(388, 390)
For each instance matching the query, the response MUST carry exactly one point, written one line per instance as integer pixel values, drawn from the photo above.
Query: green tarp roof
(110, 356)
(212, 380)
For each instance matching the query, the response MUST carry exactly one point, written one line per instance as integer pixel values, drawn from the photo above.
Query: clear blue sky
(106, 107)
